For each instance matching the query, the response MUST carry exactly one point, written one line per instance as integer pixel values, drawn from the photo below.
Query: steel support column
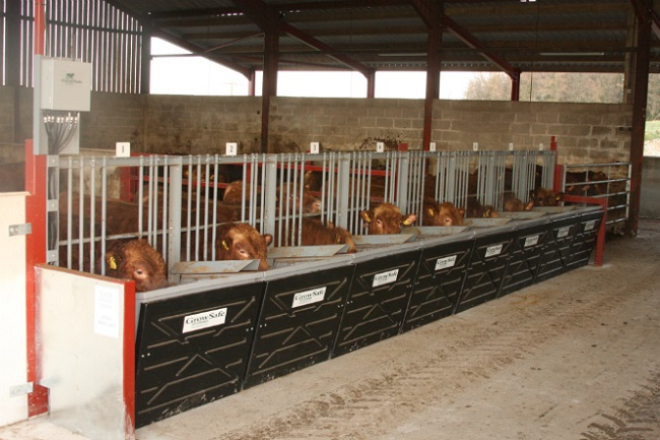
(269, 86)
(432, 78)
(13, 44)
(145, 67)
(515, 85)
(640, 92)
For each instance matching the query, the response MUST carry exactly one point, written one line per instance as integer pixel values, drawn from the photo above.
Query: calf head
(545, 197)
(241, 241)
(516, 205)
(445, 214)
(138, 261)
(386, 218)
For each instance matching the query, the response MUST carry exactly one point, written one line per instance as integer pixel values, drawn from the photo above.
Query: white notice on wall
(385, 278)
(494, 250)
(106, 310)
(308, 297)
(444, 263)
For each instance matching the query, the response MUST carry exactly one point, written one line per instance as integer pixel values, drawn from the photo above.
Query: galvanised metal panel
(557, 249)
(378, 297)
(586, 235)
(439, 280)
(488, 264)
(193, 349)
(526, 252)
(299, 317)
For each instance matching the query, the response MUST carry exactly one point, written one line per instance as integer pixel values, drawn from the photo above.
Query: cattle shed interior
(91, 160)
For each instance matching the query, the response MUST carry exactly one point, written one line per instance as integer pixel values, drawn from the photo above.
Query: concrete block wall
(202, 124)
(6, 115)
(344, 124)
(114, 117)
(586, 133)
(592, 133)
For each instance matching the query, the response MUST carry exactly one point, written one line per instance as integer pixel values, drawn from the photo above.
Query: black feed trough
(193, 343)
(488, 265)
(558, 245)
(440, 278)
(586, 235)
(526, 252)
(381, 287)
(298, 322)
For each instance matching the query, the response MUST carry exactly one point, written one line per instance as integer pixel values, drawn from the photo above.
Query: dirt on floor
(574, 357)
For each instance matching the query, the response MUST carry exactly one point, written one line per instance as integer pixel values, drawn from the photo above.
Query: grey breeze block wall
(586, 133)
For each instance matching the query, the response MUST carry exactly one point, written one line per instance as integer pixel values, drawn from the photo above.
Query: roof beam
(319, 45)
(259, 12)
(201, 52)
(428, 11)
(472, 42)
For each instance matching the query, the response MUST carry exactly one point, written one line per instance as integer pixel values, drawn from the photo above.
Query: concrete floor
(575, 357)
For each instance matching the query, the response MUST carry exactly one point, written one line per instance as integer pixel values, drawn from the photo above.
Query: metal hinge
(24, 229)
(19, 390)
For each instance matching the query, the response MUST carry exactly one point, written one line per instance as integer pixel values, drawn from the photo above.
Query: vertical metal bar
(81, 213)
(197, 206)
(104, 213)
(343, 176)
(206, 204)
(69, 211)
(174, 217)
(269, 192)
(164, 222)
(189, 209)
(215, 206)
(92, 219)
(402, 178)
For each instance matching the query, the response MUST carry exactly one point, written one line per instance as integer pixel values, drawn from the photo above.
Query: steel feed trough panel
(526, 252)
(299, 317)
(557, 249)
(439, 280)
(379, 294)
(193, 349)
(585, 237)
(488, 264)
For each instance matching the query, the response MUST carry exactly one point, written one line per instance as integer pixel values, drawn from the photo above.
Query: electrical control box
(65, 85)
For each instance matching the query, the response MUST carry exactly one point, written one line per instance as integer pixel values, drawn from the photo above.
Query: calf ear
(410, 219)
(367, 216)
(112, 259)
(462, 212)
(559, 196)
(268, 238)
(529, 206)
(431, 212)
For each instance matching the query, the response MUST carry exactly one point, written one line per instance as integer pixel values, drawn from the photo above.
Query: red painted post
(600, 240)
(129, 358)
(35, 213)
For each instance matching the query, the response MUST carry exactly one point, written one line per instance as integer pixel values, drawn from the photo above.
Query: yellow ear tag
(112, 263)
(406, 222)
(367, 218)
(224, 245)
(431, 212)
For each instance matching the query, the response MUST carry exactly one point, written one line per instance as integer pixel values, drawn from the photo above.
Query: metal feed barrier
(175, 202)
(609, 181)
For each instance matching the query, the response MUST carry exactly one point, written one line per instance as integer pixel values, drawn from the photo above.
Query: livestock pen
(214, 333)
